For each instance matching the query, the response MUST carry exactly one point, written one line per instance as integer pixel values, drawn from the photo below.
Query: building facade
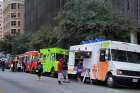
(1, 20)
(13, 12)
(40, 12)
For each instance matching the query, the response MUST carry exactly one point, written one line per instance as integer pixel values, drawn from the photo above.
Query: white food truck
(110, 61)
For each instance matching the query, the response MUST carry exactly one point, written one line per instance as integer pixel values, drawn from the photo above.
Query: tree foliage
(43, 38)
(79, 20)
(89, 19)
(15, 44)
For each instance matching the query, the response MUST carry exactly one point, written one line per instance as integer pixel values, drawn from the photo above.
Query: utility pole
(133, 37)
(134, 34)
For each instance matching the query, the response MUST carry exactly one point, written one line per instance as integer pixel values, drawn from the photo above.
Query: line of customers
(16, 65)
(63, 70)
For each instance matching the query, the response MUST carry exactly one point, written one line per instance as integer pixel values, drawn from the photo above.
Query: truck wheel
(87, 80)
(95, 82)
(111, 82)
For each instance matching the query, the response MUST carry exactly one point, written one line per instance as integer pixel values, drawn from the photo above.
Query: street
(26, 83)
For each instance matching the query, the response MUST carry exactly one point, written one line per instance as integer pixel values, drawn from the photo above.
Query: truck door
(103, 65)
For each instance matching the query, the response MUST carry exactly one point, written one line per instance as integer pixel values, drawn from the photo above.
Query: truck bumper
(127, 80)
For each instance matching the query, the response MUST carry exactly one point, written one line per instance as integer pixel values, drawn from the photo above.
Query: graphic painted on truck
(50, 57)
(30, 59)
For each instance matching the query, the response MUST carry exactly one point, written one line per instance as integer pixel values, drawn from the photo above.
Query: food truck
(113, 62)
(50, 57)
(30, 60)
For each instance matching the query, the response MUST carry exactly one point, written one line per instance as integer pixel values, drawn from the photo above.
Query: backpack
(65, 66)
(39, 67)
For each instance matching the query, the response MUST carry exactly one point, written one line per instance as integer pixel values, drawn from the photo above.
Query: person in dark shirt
(79, 69)
(65, 71)
(3, 65)
(39, 70)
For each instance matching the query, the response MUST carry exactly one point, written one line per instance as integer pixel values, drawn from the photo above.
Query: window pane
(125, 56)
(133, 57)
(13, 23)
(13, 15)
(118, 55)
(13, 6)
(13, 31)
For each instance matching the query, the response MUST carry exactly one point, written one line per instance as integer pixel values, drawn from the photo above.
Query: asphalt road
(26, 83)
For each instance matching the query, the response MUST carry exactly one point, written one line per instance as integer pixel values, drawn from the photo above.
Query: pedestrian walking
(3, 65)
(60, 62)
(65, 71)
(39, 70)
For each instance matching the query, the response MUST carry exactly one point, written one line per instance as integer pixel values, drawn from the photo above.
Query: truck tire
(95, 82)
(87, 80)
(110, 81)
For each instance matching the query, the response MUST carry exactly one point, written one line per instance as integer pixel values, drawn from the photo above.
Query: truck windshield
(125, 56)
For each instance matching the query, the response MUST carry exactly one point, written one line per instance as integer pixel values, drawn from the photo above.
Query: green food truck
(50, 57)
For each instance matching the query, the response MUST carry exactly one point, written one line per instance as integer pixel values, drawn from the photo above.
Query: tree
(89, 19)
(44, 38)
(15, 44)
(20, 43)
(5, 44)
(79, 20)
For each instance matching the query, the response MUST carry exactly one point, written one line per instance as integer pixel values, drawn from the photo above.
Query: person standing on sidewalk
(39, 70)
(79, 69)
(60, 63)
(3, 65)
(65, 71)
(13, 65)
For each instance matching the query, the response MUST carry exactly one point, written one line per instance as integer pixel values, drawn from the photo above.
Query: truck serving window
(125, 56)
